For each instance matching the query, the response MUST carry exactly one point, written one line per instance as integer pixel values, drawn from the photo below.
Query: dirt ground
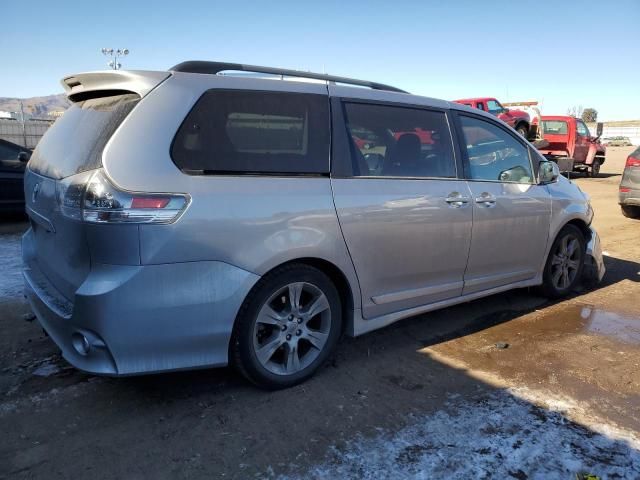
(511, 386)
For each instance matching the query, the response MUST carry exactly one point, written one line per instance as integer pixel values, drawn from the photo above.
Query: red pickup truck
(517, 119)
(569, 139)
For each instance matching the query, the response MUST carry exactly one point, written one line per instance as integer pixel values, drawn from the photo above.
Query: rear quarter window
(234, 132)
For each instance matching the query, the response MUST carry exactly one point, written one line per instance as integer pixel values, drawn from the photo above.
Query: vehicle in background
(13, 159)
(250, 228)
(425, 136)
(629, 196)
(532, 109)
(617, 142)
(516, 119)
(571, 144)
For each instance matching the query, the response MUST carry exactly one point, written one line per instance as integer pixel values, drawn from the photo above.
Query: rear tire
(287, 327)
(630, 211)
(523, 130)
(565, 263)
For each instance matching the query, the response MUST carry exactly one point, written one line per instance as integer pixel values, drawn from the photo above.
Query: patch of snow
(51, 398)
(499, 436)
(46, 370)
(10, 267)
(580, 412)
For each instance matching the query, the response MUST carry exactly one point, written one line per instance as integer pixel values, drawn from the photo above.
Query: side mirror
(505, 110)
(514, 174)
(599, 129)
(23, 157)
(548, 172)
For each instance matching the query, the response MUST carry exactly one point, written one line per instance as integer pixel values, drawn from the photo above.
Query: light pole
(115, 54)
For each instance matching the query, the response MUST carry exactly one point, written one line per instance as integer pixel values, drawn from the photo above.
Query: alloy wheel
(292, 328)
(565, 262)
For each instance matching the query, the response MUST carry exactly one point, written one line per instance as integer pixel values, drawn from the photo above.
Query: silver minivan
(222, 214)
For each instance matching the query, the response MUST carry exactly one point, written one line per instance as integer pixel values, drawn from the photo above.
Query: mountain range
(35, 106)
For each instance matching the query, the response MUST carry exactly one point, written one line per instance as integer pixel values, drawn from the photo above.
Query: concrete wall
(29, 137)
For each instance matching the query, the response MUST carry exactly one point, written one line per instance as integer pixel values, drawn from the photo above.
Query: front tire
(565, 263)
(594, 171)
(287, 327)
(630, 211)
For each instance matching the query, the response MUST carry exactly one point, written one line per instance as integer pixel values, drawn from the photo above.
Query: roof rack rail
(213, 68)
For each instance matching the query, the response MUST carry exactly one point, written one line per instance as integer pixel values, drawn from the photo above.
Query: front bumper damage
(594, 268)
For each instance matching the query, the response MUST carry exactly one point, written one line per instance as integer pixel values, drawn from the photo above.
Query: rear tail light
(625, 189)
(632, 162)
(91, 197)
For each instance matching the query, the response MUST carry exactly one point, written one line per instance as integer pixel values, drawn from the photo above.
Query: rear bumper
(594, 264)
(142, 319)
(632, 197)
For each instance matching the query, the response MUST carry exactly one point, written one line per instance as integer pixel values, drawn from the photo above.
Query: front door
(582, 142)
(495, 108)
(404, 213)
(511, 213)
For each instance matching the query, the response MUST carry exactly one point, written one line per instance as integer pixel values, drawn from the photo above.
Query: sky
(561, 53)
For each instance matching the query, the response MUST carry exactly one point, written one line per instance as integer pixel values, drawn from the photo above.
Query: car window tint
(255, 132)
(554, 127)
(582, 128)
(8, 152)
(399, 142)
(480, 106)
(75, 142)
(494, 154)
(494, 107)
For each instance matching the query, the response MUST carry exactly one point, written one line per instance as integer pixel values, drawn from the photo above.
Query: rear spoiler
(86, 85)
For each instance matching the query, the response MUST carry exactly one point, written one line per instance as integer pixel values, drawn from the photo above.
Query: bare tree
(575, 111)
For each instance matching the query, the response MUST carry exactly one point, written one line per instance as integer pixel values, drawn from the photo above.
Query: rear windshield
(232, 132)
(75, 142)
(554, 127)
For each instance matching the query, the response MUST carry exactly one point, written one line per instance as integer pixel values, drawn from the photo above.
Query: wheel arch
(576, 221)
(336, 275)
(582, 226)
(342, 284)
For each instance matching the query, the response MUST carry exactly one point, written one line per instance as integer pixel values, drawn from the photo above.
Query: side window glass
(494, 154)
(240, 131)
(399, 142)
(494, 107)
(582, 129)
(480, 106)
(8, 153)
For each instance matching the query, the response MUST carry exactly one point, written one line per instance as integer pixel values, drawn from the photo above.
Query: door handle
(486, 199)
(456, 200)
